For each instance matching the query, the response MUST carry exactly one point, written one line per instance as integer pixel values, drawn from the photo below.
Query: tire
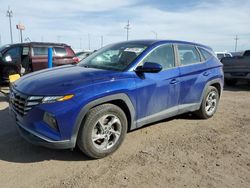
(230, 82)
(211, 98)
(102, 131)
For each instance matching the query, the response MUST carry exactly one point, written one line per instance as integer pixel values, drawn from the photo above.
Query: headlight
(50, 99)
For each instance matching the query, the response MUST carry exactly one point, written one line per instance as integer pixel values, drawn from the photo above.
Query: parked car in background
(120, 87)
(221, 55)
(24, 58)
(236, 68)
(83, 54)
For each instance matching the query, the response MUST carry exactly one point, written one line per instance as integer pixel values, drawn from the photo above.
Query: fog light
(50, 120)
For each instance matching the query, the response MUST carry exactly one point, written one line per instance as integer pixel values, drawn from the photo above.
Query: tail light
(76, 59)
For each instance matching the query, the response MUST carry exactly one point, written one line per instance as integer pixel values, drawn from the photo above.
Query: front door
(158, 93)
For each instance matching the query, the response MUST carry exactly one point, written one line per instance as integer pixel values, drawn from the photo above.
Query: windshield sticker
(136, 50)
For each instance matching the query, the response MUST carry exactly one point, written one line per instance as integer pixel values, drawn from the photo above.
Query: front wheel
(209, 103)
(102, 131)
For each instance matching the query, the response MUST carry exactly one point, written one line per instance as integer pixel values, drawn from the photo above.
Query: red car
(23, 58)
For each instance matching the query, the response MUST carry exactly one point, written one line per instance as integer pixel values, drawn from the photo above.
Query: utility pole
(127, 27)
(155, 33)
(80, 43)
(89, 40)
(10, 15)
(236, 42)
(101, 41)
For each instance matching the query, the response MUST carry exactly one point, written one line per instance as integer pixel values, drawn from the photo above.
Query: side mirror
(7, 58)
(149, 67)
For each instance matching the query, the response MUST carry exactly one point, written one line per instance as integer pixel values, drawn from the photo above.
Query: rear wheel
(102, 131)
(209, 103)
(230, 82)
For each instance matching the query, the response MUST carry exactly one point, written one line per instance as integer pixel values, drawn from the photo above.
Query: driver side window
(13, 54)
(163, 55)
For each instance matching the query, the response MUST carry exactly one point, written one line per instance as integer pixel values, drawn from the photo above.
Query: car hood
(61, 80)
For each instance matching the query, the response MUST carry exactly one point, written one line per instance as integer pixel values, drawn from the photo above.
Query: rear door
(39, 57)
(193, 76)
(158, 93)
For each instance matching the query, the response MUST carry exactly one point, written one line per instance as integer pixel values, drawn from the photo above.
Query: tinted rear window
(188, 54)
(60, 51)
(40, 51)
(206, 55)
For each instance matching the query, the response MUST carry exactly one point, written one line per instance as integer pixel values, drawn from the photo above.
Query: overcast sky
(211, 22)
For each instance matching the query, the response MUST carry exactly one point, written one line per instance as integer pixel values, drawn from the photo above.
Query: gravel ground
(178, 152)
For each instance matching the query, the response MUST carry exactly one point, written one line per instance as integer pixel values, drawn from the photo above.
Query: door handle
(173, 81)
(206, 73)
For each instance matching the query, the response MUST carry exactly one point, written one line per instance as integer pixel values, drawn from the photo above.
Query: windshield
(114, 57)
(4, 46)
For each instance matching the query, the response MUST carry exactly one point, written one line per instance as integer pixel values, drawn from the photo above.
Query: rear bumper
(237, 75)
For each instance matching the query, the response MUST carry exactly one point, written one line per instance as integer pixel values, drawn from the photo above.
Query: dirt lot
(178, 152)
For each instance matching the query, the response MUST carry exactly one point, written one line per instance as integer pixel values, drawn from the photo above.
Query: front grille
(21, 103)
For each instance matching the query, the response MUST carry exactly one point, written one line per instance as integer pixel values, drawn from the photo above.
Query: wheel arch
(217, 83)
(121, 100)
(218, 87)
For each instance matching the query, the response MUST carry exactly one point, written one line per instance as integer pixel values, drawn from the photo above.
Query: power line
(10, 15)
(127, 27)
(236, 42)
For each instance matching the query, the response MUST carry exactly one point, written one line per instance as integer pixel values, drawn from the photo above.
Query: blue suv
(120, 87)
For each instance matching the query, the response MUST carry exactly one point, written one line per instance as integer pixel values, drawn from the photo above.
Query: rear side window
(188, 54)
(60, 51)
(206, 55)
(163, 55)
(38, 51)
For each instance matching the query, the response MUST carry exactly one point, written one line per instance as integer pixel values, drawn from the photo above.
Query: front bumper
(37, 138)
(40, 140)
